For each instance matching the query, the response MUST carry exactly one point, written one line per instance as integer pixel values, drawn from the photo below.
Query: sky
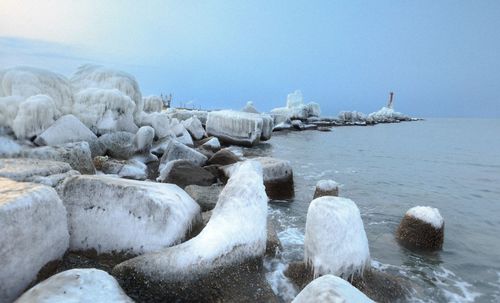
(441, 58)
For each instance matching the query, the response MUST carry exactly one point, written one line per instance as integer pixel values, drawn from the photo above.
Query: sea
(450, 164)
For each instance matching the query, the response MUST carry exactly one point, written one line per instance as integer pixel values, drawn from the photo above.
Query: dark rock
(299, 273)
(205, 196)
(273, 244)
(119, 145)
(381, 287)
(215, 170)
(184, 173)
(223, 157)
(416, 234)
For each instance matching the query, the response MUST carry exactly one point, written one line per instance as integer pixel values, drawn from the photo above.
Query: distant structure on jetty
(391, 96)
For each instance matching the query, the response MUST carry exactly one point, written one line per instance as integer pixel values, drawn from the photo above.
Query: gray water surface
(451, 164)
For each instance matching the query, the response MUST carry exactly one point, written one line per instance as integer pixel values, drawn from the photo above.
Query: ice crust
(34, 116)
(235, 127)
(427, 214)
(152, 104)
(331, 289)
(326, 185)
(66, 129)
(295, 109)
(335, 239)
(88, 285)
(194, 127)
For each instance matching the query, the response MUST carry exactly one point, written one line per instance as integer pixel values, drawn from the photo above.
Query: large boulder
(117, 215)
(267, 127)
(33, 232)
(223, 157)
(335, 240)
(278, 178)
(144, 139)
(194, 127)
(221, 264)
(422, 228)
(160, 122)
(76, 154)
(178, 151)
(184, 173)
(331, 289)
(34, 116)
(77, 285)
(119, 145)
(235, 127)
(205, 196)
(65, 130)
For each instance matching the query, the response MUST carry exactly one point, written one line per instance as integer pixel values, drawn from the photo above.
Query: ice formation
(267, 127)
(194, 127)
(184, 114)
(8, 109)
(249, 108)
(235, 127)
(34, 115)
(335, 239)
(386, 114)
(66, 129)
(88, 285)
(236, 232)
(144, 138)
(427, 214)
(134, 169)
(275, 169)
(111, 214)
(176, 151)
(152, 104)
(34, 232)
(331, 289)
(294, 99)
(9, 147)
(295, 109)
(352, 116)
(160, 122)
(212, 144)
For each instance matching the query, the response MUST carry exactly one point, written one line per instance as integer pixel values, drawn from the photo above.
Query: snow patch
(427, 214)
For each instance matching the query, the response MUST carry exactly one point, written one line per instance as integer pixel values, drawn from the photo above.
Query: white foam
(427, 214)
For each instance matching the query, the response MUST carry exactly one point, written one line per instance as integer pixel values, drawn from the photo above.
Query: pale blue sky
(442, 58)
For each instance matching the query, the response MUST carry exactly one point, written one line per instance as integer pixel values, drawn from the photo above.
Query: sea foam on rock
(77, 285)
(34, 231)
(219, 263)
(331, 289)
(422, 227)
(117, 215)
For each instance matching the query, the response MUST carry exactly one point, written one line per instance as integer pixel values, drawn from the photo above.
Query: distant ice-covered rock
(112, 214)
(34, 231)
(34, 115)
(295, 109)
(422, 228)
(326, 188)
(194, 127)
(235, 127)
(178, 151)
(386, 114)
(65, 130)
(335, 239)
(198, 269)
(283, 126)
(184, 114)
(152, 104)
(250, 108)
(160, 122)
(352, 117)
(313, 109)
(87, 285)
(331, 289)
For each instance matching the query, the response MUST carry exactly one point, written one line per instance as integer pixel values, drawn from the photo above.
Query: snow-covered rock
(250, 108)
(160, 122)
(184, 114)
(331, 289)
(65, 130)
(34, 115)
(326, 188)
(236, 233)
(152, 104)
(119, 145)
(235, 127)
(335, 239)
(34, 231)
(76, 154)
(178, 151)
(111, 214)
(422, 227)
(144, 138)
(88, 285)
(194, 127)
(185, 138)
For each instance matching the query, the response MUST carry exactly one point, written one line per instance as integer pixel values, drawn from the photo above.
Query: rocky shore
(108, 195)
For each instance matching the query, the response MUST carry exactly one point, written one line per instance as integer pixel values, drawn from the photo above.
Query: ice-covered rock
(185, 172)
(326, 188)
(34, 231)
(160, 122)
(178, 151)
(223, 157)
(205, 196)
(352, 117)
(152, 104)
(112, 214)
(295, 109)
(119, 145)
(234, 127)
(184, 114)
(282, 126)
(211, 144)
(9, 105)
(144, 138)
(313, 110)
(422, 227)
(65, 130)
(386, 114)
(194, 127)
(335, 239)
(294, 99)
(249, 108)
(76, 154)
(331, 289)
(77, 285)
(195, 270)
(185, 138)
(267, 127)
(34, 115)
(9, 147)
(134, 169)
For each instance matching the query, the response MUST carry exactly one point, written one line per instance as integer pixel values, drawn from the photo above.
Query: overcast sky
(441, 58)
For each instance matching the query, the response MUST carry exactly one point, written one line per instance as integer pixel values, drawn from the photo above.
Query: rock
(298, 125)
(278, 178)
(76, 154)
(34, 231)
(282, 126)
(234, 127)
(134, 169)
(422, 228)
(212, 144)
(77, 285)
(119, 145)
(143, 139)
(66, 129)
(34, 116)
(331, 289)
(178, 151)
(335, 240)
(207, 153)
(273, 243)
(152, 104)
(161, 145)
(299, 273)
(184, 173)
(382, 287)
(185, 138)
(160, 122)
(215, 169)
(9, 147)
(222, 263)
(352, 117)
(194, 127)
(184, 114)
(108, 165)
(223, 157)
(326, 188)
(117, 215)
(205, 196)
(267, 127)
(387, 115)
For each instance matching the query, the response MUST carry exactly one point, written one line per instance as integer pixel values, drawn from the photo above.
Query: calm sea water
(451, 164)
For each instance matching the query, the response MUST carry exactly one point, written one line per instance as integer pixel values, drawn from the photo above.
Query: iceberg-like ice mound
(9, 106)
(331, 289)
(152, 104)
(34, 116)
(77, 285)
(335, 239)
(386, 114)
(295, 109)
(250, 108)
(294, 99)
